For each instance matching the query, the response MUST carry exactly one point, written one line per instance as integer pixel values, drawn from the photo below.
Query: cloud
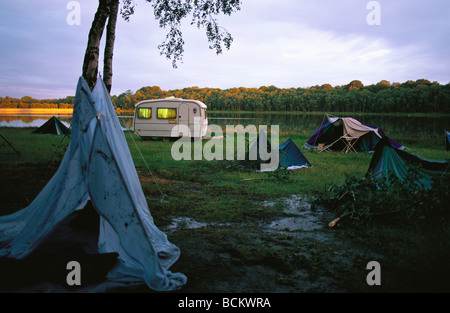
(302, 43)
(287, 43)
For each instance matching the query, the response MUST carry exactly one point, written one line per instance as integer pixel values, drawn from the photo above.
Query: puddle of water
(295, 224)
(189, 223)
(301, 217)
(185, 222)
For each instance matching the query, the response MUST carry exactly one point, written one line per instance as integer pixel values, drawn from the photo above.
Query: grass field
(223, 192)
(157, 167)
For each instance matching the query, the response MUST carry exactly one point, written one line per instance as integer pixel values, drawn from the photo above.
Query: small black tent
(53, 126)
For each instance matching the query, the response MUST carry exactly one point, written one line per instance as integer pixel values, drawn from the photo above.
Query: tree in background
(169, 14)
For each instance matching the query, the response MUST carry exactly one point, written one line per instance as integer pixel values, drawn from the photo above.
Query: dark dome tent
(289, 155)
(53, 126)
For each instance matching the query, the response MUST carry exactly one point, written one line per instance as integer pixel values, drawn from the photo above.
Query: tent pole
(9, 144)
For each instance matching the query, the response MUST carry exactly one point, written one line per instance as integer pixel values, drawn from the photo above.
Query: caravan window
(167, 113)
(144, 112)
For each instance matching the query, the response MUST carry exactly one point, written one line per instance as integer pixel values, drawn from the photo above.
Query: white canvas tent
(98, 167)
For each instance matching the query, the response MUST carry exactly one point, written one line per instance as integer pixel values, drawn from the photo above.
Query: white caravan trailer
(157, 118)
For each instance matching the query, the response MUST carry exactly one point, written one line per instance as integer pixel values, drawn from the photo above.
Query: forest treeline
(420, 96)
(27, 102)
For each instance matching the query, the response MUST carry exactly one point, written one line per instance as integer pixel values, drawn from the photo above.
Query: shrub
(389, 199)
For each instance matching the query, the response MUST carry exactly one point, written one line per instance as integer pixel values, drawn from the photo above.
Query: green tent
(291, 157)
(288, 154)
(387, 159)
(259, 152)
(53, 126)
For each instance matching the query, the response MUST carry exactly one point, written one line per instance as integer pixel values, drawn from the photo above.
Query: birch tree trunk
(90, 64)
(109, 47)
(107, 11)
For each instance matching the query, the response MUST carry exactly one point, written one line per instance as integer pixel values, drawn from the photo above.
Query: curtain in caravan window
(144, 112)
(167, 113)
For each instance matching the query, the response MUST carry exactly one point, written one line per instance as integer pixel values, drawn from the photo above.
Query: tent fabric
(349, 129)
(387, 159)
(261, 152)
(256, 146)
(291, 157)
(354, 128)
(98, 167)
(313, 140)
(447, 140)
(53, 126)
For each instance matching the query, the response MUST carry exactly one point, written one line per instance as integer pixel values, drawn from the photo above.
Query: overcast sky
(286, 43)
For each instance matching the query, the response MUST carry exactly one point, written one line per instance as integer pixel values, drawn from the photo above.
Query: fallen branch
(334, 222)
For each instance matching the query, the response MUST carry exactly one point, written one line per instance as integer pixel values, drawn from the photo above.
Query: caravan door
(183, 115)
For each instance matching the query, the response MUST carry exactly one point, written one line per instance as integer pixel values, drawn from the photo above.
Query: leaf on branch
(173, 47)
(127, 9)
(169, 13)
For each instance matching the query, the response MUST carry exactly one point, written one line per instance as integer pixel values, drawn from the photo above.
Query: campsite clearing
(235, 228)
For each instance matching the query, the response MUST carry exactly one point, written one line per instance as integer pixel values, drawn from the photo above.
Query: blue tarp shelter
(98, 167)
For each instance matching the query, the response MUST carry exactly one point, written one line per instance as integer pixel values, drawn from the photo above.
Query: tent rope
(124, 126)
(9, 144)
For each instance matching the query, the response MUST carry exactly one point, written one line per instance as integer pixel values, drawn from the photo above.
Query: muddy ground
(294, 253)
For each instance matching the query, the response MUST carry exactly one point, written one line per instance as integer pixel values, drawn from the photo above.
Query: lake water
(289, 124)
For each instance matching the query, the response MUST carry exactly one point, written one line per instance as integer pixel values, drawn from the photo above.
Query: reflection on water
(290, 124)
(22, 121)
(30, 120)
